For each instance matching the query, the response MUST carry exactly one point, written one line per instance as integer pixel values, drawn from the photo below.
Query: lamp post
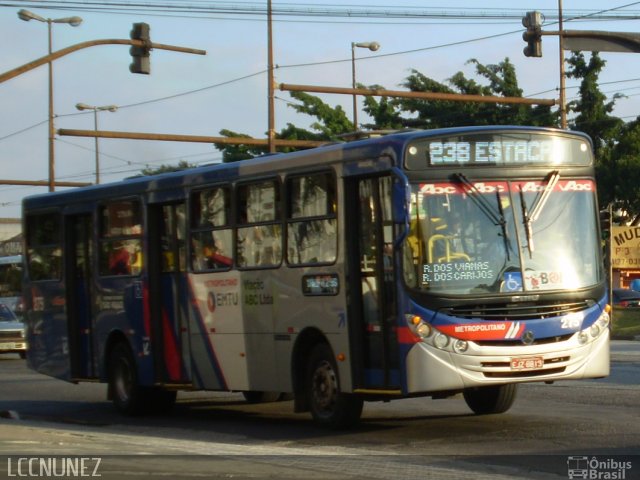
(373, 46)
(110, 108)
(26, 15)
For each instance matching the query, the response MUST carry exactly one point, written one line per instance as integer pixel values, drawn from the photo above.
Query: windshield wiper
(538, 204)
(497, 218)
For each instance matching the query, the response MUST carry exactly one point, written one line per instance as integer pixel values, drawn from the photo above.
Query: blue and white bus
(422, 263)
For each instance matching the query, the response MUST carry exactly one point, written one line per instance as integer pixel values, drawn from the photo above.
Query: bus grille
(523, 374)
(518, 342)
(516, 311)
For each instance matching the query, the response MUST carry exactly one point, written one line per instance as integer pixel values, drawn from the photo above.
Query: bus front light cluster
(432, 336)
(591, 333)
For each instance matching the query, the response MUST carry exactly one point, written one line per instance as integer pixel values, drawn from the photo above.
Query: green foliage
(234, 153)
(500, 80)
(398, 113)
(626, 322)
(332, 121)
(182, 165)
(616, 144)
(592, 107)
(619, 174)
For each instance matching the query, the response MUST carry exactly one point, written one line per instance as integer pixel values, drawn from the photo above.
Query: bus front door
(168, 293)
(81, 295)
(372, 281)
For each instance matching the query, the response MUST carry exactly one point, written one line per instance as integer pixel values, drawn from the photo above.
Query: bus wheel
(329, 407)
(494, 399)
(128, 397)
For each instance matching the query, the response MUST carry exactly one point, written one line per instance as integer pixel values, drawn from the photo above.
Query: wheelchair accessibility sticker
(512, 282)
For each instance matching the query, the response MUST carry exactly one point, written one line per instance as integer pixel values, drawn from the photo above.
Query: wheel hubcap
(325, 387)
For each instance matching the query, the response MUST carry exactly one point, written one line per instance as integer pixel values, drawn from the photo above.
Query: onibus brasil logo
(595, 468)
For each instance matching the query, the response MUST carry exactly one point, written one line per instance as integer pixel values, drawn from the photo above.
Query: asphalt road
(214, 435)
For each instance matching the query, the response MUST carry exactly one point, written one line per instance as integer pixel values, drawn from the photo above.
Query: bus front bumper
(430, 369)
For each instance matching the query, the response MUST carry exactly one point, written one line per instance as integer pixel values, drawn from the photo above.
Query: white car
(12, 333)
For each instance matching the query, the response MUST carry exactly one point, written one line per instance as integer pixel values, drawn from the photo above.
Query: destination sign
(504, 149)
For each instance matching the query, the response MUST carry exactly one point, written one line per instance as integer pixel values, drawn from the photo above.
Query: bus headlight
(583, 337)
(595, 330)
(460, 346)
(418, 326)
(431, 336)
(423, 330)
(441, 340)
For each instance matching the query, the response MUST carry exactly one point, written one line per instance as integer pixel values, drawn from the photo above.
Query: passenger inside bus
(119, 260)
(209, 253)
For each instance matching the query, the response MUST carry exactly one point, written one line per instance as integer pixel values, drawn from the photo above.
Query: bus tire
(494, 399)
(329, 407)
(128, 397)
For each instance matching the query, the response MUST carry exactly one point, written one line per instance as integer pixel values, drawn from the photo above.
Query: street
(411, 438)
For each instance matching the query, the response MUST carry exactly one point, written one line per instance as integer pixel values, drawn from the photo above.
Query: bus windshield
(480, 237)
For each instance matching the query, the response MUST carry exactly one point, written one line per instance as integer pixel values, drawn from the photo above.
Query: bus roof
(389, 146)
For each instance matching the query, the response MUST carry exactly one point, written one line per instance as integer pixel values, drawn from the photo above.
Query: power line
(247, 10)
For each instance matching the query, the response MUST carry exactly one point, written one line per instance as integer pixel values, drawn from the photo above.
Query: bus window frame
(237, 224)
(230, 225)
(101, 239)
(288, 219)
(60, 241)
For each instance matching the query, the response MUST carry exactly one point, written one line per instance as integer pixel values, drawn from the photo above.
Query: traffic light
(140, 55)
(533, 35)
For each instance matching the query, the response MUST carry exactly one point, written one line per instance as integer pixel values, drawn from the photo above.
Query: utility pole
(563, 93)
(48, 59)
(271, 133)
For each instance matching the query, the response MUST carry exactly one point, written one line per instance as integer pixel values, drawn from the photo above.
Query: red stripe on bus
(405, 335)
(171, 354)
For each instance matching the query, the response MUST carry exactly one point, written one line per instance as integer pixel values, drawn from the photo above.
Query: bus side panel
(47, 333)
(218, 345)
(84, 357)
(294, 313)
(171, 332)
(259, 304)
(120, 308)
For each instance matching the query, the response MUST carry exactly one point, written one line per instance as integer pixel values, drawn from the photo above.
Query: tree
(592, 107)
(182, 165)
(427, 114)
(619, 177)
(398, 113)
(332, 121)
(593, 117)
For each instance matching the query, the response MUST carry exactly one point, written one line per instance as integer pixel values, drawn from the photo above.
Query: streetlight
(26, 15)
(110, 108)
(373, 46)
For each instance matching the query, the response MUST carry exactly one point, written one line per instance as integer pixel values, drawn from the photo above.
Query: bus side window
(259, 238)
(211, 234)
(44, 253)
(311, 219)
(120, 238)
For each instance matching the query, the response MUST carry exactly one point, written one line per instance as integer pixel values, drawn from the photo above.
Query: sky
(227, 88)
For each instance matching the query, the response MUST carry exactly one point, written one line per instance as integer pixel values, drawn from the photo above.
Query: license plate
(7, 346)
(527, 363)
